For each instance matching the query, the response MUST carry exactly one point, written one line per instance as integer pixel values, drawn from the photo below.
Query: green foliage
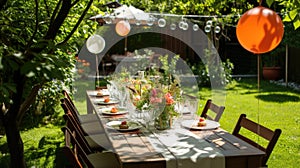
(291, 36)
(205, 74)
(25, 50)
(292, 10)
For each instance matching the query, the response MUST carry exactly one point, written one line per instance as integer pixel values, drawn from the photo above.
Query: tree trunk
(14, 140)
(15, 143)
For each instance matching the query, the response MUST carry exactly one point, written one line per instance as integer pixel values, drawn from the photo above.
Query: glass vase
(164, 120)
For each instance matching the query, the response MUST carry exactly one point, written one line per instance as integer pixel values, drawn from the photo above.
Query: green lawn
(273, 106)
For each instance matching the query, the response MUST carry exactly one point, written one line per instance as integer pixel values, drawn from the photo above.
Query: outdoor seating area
(136, 145)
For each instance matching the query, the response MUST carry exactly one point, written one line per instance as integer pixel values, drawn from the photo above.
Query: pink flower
(154, 92)
(155, 100)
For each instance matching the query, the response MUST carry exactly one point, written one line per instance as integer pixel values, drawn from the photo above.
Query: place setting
(113, 110)
(100, 93)
(124, 125)
(106, 101)
(200, 124)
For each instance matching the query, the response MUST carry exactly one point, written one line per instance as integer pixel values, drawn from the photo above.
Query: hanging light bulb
(138, 22)
(173, 26)
(217, 29)
(180, 24)
(161, 22)
(185, 26)
(195, 27)
(150, 21)
(207, 28)
(209, 23)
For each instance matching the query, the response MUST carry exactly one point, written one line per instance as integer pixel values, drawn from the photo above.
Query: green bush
(204, 77)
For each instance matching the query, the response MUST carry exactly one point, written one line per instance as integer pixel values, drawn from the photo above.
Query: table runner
(182, 148)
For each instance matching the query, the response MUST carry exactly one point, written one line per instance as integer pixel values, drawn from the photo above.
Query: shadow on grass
(250, 86)
(281, 98)
(48, 153)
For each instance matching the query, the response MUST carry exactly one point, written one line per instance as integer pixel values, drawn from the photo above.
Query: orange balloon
(122, 28)
(259, 30)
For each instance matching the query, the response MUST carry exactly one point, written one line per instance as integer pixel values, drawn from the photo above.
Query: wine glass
(112, 89)
(123, 94)
(192, 103)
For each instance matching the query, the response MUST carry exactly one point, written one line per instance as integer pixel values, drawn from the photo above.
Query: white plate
(107, 103)
(115, 125)
(192, 124)
(104, 93)
(107, 111)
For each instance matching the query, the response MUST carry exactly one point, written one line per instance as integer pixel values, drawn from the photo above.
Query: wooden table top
(135, 149)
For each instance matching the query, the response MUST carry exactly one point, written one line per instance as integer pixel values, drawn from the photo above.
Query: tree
(291, 10)
(35, 42)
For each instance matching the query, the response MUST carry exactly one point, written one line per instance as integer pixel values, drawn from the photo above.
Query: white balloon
(95, 44)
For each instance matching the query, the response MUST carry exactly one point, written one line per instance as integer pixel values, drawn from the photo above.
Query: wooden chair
(97, 142)
(78, 157)
(83, 118)
(92, 127)
(266, 133)
(210, 106)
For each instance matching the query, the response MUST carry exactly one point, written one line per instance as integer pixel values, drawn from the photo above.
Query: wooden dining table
(148, 148)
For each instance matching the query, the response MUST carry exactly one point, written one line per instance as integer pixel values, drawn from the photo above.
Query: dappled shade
(280, 98)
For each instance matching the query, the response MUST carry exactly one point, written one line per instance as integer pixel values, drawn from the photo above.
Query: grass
(41, 146)
(273, 106)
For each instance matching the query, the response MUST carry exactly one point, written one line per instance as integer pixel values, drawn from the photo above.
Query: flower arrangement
(155, 90)
(158, 91)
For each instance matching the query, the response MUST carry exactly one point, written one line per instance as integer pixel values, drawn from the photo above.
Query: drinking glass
(192, 104)
(112, 89)
(123, 94)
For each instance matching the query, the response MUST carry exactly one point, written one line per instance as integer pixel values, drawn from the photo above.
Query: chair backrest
(72, 116)
(73, 150)
(266, 133)
(210, 106)
(80, 136)
(66, 94)
(70, 102)
(67, 106)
